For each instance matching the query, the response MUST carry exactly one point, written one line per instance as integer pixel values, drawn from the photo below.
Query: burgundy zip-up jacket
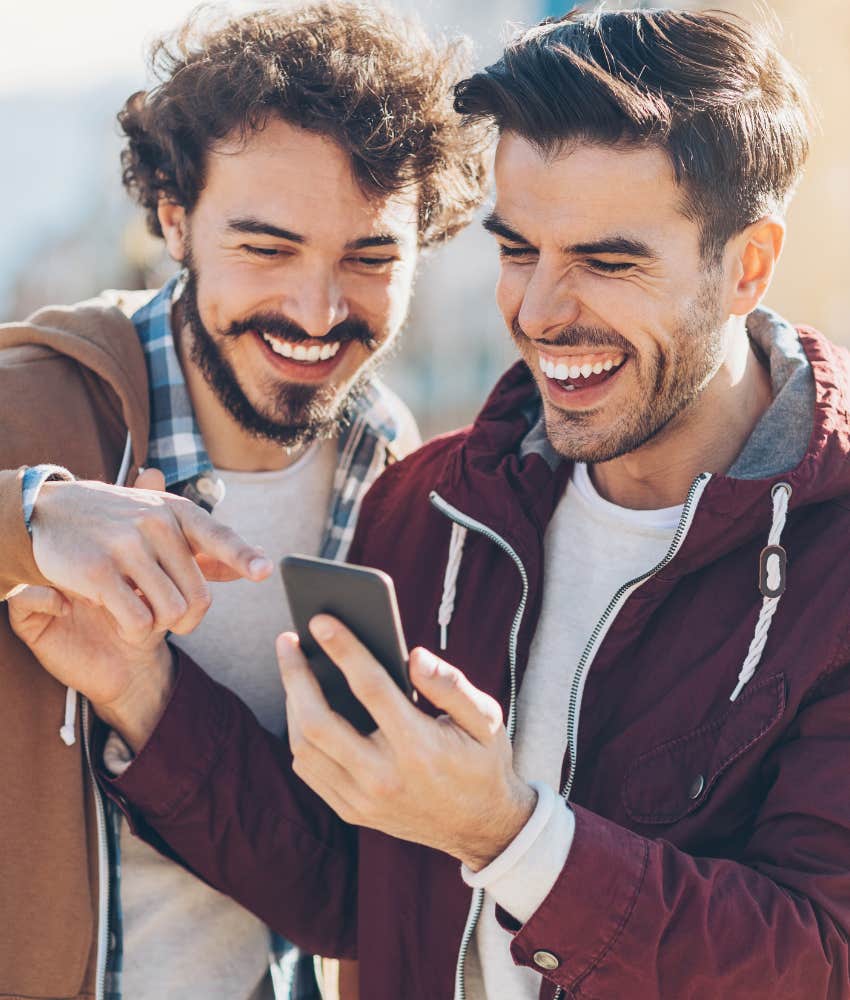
(712, 844)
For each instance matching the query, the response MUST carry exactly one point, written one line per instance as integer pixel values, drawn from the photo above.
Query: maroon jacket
(712, 847)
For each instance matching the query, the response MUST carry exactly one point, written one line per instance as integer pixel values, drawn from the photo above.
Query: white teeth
(308, 355)
(561, 372)
(608, 365)
(586, 370)
(597, 368)
(550, 369)
(575, 371)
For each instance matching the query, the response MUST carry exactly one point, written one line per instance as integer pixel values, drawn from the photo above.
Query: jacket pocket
(670, 781)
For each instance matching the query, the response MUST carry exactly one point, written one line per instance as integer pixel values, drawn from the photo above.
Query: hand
(141, 553)
(79, 644)
(448, 783)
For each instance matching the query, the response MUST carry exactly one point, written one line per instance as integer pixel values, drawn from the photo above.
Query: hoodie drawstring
(68, 732)
(447, 604)
(771, 583)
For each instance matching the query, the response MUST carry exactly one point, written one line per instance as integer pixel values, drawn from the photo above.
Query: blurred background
(69, 230)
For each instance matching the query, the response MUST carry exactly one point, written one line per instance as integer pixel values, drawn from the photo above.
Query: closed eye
(262, 251)
(609, 267)
(514, 252)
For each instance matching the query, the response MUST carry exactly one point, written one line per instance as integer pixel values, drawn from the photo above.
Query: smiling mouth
(305, 354)
(581, 372)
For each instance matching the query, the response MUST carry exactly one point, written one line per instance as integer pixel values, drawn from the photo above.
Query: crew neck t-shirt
(182, 938)
(591, 548)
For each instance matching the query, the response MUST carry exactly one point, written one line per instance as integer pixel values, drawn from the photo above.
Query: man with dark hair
(294, 161)
(634, 560)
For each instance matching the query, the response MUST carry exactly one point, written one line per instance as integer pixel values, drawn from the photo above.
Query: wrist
(503, 831)
(135, 714)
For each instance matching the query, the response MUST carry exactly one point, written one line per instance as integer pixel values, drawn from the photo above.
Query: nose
(318, 305)
(548, 303)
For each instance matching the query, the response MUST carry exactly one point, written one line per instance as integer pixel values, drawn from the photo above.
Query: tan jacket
(72, 382)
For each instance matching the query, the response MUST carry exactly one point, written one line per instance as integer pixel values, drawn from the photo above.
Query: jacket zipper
(102, 862)
(467, 522)
(577, 689)
(103, 872)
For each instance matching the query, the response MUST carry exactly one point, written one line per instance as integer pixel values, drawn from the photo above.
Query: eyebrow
(496, 225)
(256, 227)
(621, 245)
(615, 245)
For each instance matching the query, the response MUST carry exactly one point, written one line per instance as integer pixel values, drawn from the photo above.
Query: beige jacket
(72, 382)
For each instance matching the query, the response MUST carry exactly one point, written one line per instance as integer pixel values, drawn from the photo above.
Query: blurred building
(70, 230)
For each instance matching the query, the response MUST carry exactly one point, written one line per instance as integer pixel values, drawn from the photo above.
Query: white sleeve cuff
(522, 876)
(117, 756)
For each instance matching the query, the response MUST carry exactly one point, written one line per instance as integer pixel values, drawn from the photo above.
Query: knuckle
(98, 567)
(312, 730)
(200, 601)
(383, 786)
(371, 688)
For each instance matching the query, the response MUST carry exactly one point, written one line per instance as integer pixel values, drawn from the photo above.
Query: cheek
(510, 291)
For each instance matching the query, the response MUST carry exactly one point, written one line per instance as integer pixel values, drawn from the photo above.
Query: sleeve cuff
(523, 875)
(34, 478)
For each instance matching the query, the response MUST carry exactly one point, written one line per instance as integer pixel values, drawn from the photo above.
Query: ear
(756, 252)
(172, 220)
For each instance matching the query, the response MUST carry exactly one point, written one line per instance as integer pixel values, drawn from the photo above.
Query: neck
(707, 437)
(229, 446)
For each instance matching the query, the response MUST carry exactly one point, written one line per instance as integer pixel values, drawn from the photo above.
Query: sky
(50, 44)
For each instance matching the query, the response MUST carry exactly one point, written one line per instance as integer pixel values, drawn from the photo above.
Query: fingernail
(259, 566)
(427, 663)
(322, 627)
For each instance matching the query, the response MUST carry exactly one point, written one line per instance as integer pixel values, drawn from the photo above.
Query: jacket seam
(617, 934)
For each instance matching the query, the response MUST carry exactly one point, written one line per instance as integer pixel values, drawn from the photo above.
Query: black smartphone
(362, 599)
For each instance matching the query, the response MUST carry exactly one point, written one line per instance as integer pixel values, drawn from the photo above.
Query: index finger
(218, 542)
(369, 681)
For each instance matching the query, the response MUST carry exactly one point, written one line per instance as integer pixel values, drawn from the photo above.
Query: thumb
(37, 600)
(448, 688)
(150, 479)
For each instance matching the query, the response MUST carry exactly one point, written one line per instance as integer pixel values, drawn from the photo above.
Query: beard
(667, 384)
(291, 414)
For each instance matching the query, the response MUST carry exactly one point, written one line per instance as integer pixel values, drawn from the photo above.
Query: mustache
(579, 336)
(351, 329)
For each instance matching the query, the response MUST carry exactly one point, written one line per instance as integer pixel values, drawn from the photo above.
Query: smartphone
(362, 599)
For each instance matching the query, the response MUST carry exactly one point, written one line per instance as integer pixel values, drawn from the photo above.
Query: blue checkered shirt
(176, 448)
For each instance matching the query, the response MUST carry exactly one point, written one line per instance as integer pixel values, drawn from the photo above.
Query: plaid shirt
(176, 448)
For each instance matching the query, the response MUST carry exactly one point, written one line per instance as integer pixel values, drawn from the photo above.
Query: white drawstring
(68, 731)
(772, 585)
(447, 605)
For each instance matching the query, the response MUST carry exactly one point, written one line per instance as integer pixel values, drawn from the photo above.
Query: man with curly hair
(626, 587)
(294, 162)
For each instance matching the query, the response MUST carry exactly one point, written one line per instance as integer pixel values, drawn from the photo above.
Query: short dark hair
(366, 77)
(710, 89)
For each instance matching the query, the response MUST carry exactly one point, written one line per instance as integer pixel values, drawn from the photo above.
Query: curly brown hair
(359, 73)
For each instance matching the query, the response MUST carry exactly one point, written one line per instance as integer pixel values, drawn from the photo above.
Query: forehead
(587, 188)
(300, 181)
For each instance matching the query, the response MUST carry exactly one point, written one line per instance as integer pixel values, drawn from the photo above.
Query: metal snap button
(546, 960)
(697, 786)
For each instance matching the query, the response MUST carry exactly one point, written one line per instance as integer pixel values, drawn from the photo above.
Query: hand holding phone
(363, 600)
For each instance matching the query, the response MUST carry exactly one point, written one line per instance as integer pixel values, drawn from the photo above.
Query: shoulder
(404, 487)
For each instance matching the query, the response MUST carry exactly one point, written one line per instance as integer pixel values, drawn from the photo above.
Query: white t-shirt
(182, 939)
(592, 547)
